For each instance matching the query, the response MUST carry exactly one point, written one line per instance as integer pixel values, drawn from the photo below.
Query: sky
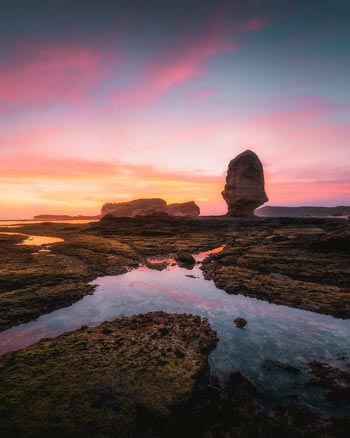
(109, 101)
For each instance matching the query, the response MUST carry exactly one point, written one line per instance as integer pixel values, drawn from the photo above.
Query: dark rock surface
(336, 381)
(245, 187)
(337, 241)
(184, 258)
(134, 376)
(309, 270)
(141, 376)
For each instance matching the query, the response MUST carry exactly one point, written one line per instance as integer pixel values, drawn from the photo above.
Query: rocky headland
(149, 207)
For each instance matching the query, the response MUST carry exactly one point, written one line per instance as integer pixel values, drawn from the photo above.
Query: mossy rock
(128, 377)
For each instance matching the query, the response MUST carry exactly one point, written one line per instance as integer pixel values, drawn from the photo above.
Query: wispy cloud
(186, 59)
(42, 74)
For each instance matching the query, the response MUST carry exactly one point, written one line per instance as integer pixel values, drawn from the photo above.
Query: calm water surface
(273, 333)
(37, 240)
(18, 223)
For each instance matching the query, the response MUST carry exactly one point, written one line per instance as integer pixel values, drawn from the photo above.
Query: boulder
(245, 187)
(240, 322)
(185, 259)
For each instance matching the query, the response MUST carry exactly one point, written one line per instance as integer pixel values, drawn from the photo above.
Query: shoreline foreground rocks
(245, 187)
(133, 376)
(146, 376)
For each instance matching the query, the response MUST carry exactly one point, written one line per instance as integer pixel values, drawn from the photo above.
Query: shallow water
(40, 240)
(37, 240)
(278, 333)
(18, 223)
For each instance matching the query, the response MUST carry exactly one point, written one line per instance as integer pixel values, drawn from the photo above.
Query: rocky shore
(142, 376)
(148, 375)
(131, 377)
(302, 263)
(33, 283)
(298, 263)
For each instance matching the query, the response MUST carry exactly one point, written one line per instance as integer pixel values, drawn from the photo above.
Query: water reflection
(40, 240)
(36, 240)
(18, 223)
(278, 333)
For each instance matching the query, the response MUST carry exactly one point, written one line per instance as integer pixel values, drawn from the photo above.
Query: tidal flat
(302, 263)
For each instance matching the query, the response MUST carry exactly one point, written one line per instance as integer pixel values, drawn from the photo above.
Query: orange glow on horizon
(86, 193)
(89, 122)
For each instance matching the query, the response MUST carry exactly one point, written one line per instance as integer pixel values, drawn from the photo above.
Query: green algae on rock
(129, 377)
(286, 263)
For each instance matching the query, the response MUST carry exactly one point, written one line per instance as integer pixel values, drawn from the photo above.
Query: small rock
(185, 258)
(179, 354)
(158, 266)
(240, 322)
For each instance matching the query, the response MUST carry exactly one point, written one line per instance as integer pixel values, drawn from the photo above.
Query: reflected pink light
(181, 296)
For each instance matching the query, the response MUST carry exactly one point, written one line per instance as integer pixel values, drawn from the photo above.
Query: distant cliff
(147, 207)
(271, 211)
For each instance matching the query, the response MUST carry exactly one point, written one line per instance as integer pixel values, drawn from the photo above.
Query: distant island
(267, 211)
(142, 207)
(274, 211)
(63, 217)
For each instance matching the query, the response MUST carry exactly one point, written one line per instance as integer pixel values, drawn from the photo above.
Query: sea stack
(245, 186)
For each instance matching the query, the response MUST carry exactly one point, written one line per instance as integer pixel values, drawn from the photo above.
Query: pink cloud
(201, 93)
(253, 25)
(185, 63)
(186, 60)
(43, 73)
(312, 193)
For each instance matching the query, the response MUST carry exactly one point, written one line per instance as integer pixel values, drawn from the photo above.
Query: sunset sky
(106, 101)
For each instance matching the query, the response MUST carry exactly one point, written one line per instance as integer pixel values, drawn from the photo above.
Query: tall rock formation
(245, 187)
(147, 207)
